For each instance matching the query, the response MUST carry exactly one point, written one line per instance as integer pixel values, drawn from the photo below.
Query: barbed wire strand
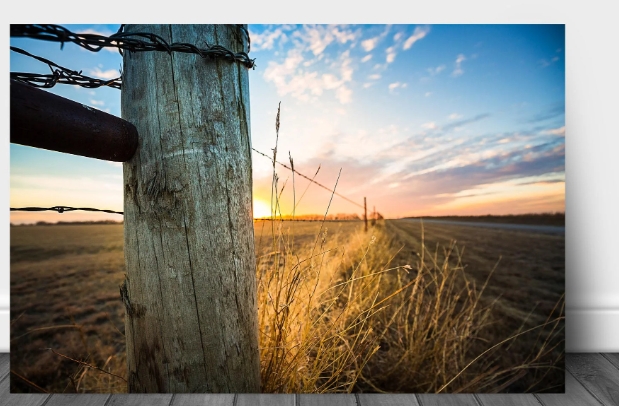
(62, 209)
(129, 41)
(311, 180)
(59, 74)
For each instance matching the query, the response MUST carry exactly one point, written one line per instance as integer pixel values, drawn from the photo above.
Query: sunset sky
(420, 119)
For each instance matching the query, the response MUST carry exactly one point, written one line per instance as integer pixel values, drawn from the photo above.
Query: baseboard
(592, 330)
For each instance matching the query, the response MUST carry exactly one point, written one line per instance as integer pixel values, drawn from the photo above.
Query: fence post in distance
(365, 213)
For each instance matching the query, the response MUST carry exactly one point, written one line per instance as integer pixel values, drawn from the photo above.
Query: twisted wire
(130, 41)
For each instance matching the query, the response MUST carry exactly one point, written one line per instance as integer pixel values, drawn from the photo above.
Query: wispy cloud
(458, 71)
(294, 76)
(471, 120)
(107, 74)
(419, 33)
(391, 54)
(550, 113)
(395, 85)
(436, 71)
(366, 58)
(371, 43)
(267, 39)
(546, 63)
(344, 94)
(455, 116)
(555, 131)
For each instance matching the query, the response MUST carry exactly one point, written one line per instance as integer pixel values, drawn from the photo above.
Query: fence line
(133, 41)
(139, 42)
(311, 180)
(61, 209)
(59, 75)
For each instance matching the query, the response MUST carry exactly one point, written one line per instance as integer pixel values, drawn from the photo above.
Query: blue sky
(420, 119)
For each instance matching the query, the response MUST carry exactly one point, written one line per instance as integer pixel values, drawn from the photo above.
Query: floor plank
(4, 364)
(78, 400)
(330, 399)
(447, 400)
(613, 357)
(327, 399)
(597, 374)
(523, 399)
(264, 399)
(139, 399)
(187, 399)
(19, 399)
(575, 395)
(374, 399)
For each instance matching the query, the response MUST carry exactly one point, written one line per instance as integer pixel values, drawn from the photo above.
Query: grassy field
(397, 309)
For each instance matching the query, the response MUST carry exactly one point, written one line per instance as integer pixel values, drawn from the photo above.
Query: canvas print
(287, 208)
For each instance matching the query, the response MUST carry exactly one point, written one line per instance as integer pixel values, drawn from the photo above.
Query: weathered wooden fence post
(190, 290)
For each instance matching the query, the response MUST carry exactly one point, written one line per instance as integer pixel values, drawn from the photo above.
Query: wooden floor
(591, 379)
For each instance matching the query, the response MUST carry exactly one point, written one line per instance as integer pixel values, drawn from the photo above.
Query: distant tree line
(338, 216)
(66, 223)
(544, 219)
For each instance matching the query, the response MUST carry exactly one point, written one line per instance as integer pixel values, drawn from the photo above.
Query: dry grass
(340, 310)
(341, 316)
(64, 296)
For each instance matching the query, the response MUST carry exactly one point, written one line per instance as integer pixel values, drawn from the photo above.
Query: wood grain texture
(613, 357)
(140, 399)
(18, 399)
(77, 400)
(371, 399)
(190, 291)
(447, 400)
(327, 399)
(523, 399)
(575, 394)
(265, 400)
(597, 374)
(5, 364)
(213, 399)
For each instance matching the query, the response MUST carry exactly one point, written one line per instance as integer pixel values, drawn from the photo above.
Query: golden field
(401, 308)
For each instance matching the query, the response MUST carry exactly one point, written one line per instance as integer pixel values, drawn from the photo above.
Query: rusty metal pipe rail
(41, 119)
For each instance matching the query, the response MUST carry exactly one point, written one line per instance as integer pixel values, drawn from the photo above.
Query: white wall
(592, 146)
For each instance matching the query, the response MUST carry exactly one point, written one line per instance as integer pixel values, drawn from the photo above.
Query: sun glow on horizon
(261, 209)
